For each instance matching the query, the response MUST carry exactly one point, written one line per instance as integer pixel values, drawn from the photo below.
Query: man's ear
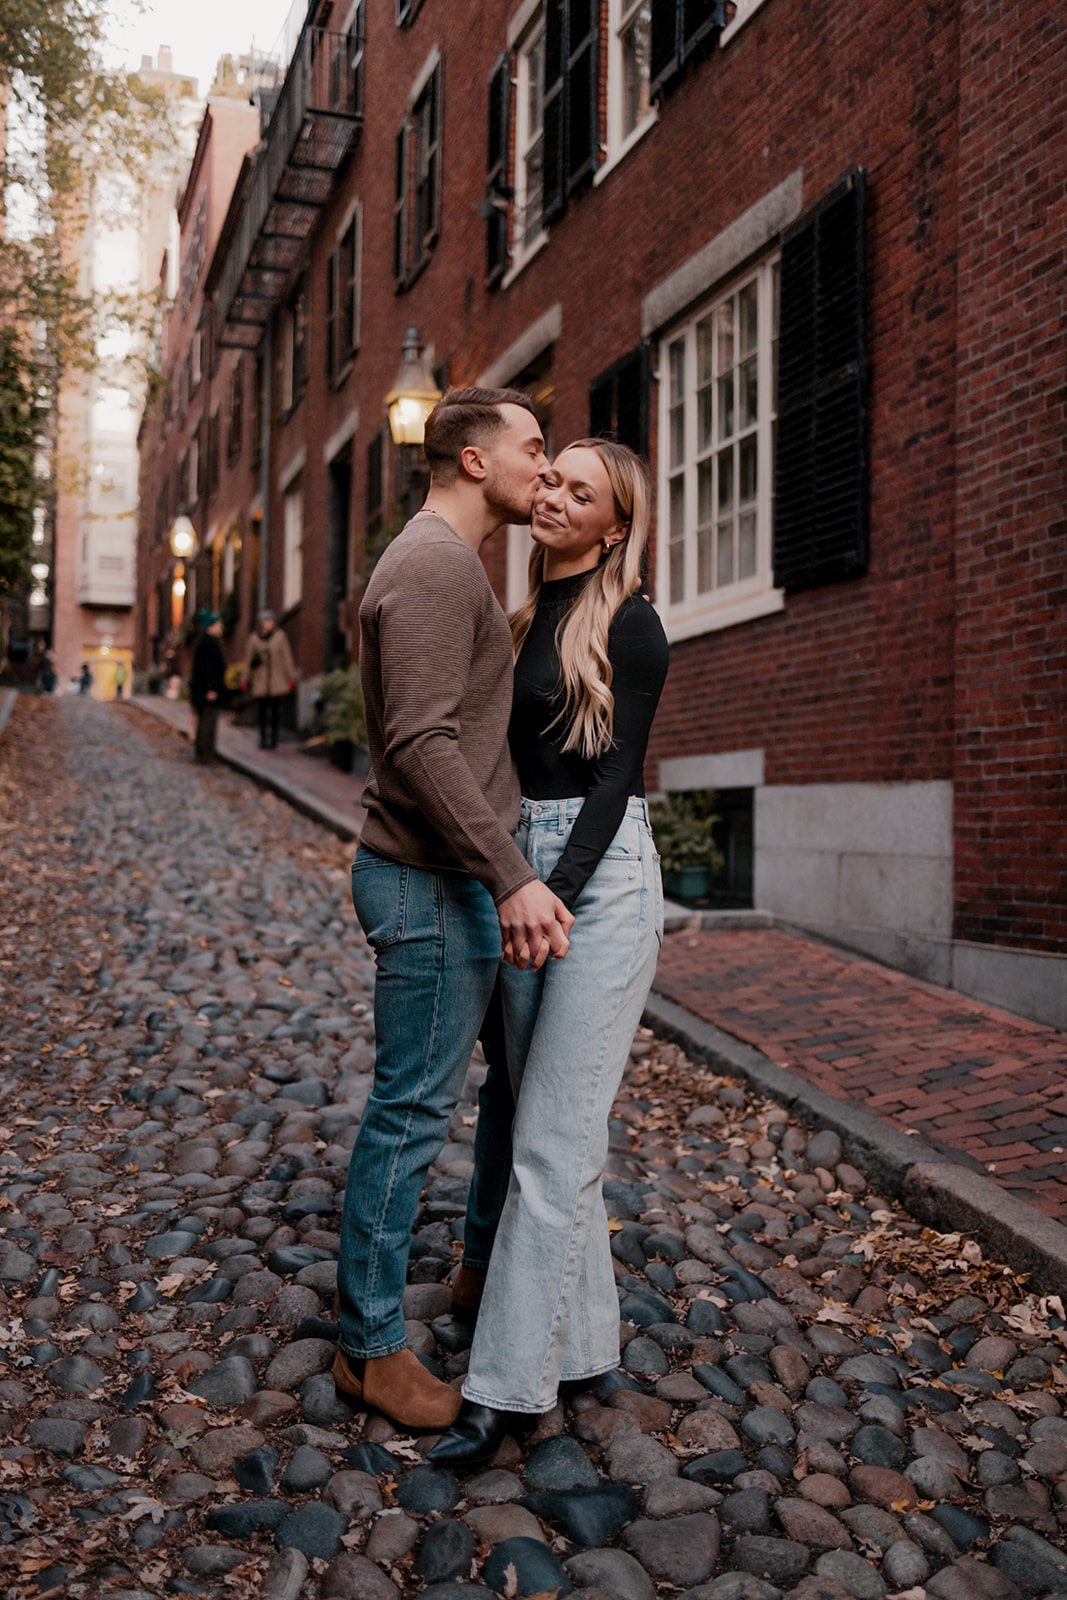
(472, 462)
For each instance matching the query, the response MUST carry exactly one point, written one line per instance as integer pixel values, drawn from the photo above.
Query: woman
(590, 662)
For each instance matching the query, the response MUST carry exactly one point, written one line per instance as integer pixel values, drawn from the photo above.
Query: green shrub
(339, 704)
(683, 826)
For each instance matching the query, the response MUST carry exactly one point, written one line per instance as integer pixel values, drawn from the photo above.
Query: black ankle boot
(477, 1434)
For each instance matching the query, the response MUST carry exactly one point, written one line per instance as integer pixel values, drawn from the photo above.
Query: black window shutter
(333, 361)
(400, 207)
(681, 30)
(583, 104)
(497, 192)
(554, 188)
(821, 524)
(664, 53)
(618, 400)
(701, 23)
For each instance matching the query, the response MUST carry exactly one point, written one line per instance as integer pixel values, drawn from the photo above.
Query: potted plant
(683, 825)
(339, 706)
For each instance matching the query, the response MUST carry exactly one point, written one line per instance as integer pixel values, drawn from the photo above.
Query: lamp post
(413, 395)
(183, 541)
(410, 401)
(184, 545)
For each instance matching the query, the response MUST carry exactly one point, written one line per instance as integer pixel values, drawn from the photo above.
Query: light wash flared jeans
(550, 1311)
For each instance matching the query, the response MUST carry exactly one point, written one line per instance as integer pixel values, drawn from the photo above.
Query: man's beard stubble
(506, 501)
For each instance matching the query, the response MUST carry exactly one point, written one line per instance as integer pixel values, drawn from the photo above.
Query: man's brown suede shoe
(467, 1288)
(401, 1389)
(345, 1379)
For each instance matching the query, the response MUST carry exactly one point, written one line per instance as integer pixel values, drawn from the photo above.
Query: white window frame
(192, 468)
(619, 143)
(743, 10)
(525, 246)
(293, 587)
(742, 599)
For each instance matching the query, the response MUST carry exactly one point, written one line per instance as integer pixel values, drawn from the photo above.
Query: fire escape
(313, 128)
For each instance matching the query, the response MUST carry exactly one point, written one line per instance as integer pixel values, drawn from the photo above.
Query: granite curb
(7, 706)
(935, 1185)
(302, 800)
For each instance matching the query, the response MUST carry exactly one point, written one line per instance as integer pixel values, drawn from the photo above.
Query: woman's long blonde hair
(582, 636)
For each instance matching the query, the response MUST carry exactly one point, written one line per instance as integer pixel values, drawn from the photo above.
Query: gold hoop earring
(607, 545)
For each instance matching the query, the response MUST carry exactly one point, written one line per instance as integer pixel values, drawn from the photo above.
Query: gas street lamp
(183, 541)
(413, 395)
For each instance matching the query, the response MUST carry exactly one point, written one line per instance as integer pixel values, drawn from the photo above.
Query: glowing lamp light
(413, 395)
(183, 540)
(178, 588)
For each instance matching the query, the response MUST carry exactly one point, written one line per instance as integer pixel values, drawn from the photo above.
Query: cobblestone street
(817, 1398)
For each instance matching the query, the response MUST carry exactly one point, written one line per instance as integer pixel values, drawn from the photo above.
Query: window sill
(729, 614)
(633, 138)
(738, 23)
(341, 377)
(524, 261)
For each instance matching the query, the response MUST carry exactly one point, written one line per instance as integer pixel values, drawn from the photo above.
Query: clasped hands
(534, 924)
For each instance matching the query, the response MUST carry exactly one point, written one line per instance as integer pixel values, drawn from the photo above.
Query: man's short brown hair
(464, 417)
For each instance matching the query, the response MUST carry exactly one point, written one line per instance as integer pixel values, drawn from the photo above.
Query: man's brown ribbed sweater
(436, 665)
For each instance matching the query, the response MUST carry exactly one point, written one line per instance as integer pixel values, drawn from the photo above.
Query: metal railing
(313, 127)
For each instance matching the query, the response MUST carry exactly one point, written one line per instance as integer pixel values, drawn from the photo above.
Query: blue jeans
(550, 1311)
(436, 942)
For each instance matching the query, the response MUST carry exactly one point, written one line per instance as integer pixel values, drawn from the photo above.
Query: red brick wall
(1011, 558)
(941, 661)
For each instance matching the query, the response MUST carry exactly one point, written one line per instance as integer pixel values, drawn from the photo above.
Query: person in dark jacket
(207, 686)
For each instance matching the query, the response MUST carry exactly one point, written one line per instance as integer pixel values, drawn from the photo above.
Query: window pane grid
(530, 140)
(721, 382)
(635, 43)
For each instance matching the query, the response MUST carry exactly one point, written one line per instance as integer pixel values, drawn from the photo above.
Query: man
(270, 661)
(438, 883)
(207, 685)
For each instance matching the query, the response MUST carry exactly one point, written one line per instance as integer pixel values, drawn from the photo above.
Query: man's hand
(534, 924)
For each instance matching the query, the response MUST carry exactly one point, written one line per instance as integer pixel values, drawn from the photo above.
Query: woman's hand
(534, 924)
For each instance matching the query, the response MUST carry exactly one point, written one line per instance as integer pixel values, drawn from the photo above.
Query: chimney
(166, 58)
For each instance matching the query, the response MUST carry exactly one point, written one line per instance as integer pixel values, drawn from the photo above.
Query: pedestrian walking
(207, 685)
(46, 673)
(85, 682)
(273, 676)
(591, 659)
(438, 882)
(120, 678)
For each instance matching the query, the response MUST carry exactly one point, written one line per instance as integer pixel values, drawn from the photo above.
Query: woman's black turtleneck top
(637, 650)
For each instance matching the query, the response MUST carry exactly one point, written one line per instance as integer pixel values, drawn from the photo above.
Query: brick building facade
(812, 261)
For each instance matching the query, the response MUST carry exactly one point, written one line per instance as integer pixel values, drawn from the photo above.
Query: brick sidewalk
(960, 1073)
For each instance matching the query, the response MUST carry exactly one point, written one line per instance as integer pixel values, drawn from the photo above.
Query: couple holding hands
(508, 885)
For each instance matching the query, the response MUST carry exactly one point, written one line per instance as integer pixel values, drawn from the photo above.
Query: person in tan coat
(272, 676)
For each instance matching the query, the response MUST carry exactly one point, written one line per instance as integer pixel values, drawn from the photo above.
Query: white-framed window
(718, 382)
(743, 9)
(528, 228)
(295, 351)
(192, 471)
(630, 111)
(343, 297)
(293, 588)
